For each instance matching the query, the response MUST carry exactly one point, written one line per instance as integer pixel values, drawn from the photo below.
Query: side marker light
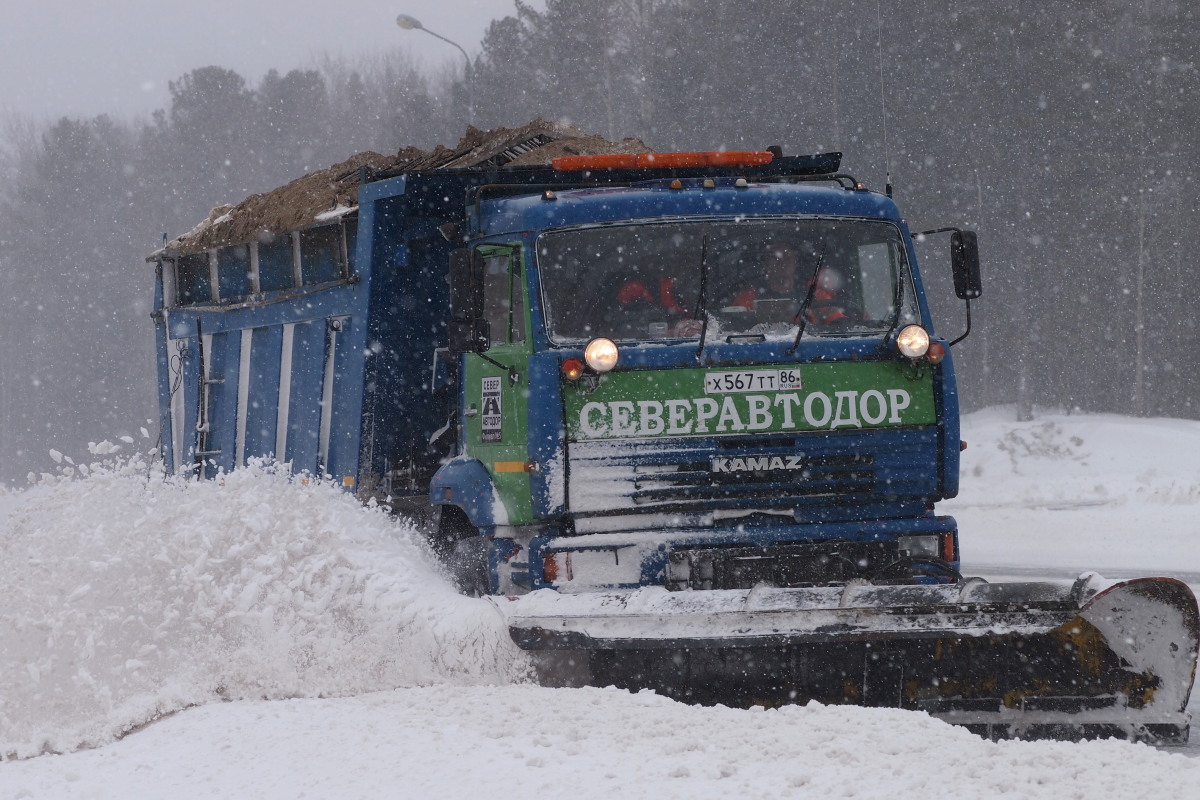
(572, 369)
(949, 553)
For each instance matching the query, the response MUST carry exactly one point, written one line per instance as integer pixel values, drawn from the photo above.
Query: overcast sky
(85, 57)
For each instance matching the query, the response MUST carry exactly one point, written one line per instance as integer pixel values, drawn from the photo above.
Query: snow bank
(1075, 492)
(585, 743)
(1069, 461)
(128, 595)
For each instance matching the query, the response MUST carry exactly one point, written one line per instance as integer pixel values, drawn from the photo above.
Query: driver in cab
(780, 280)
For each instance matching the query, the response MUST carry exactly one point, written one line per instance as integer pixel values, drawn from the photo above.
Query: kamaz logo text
(757, 463)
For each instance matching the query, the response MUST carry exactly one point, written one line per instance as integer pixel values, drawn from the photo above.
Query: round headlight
(912, 341)
(601, 354)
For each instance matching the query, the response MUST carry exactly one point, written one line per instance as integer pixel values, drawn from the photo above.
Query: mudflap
(1095, 659)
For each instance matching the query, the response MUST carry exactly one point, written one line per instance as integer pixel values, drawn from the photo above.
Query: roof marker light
(737, 158)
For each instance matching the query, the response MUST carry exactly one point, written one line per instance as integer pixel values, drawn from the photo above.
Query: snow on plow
(1022, 660)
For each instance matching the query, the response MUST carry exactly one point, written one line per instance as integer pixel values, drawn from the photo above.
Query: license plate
(752, 380)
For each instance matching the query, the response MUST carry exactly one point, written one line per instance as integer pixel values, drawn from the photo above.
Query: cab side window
(503, 306)
(516, 331)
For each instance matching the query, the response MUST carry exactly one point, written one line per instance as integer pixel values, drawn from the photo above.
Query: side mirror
(964, 259)
(469, 332)
(469, 336)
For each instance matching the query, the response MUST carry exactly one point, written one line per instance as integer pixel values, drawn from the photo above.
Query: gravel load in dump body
(331, 192)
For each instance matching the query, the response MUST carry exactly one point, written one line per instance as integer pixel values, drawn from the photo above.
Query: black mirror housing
(964, 259)
(469, 336)
(468, 331)
(466, 284)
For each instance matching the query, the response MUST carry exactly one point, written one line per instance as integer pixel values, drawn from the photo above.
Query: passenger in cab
(654, 307)
(637, 295)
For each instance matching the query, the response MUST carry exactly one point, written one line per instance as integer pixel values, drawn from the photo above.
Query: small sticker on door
(491, 417)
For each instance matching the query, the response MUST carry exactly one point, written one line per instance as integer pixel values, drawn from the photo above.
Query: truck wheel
(469, 567)
(463, 551)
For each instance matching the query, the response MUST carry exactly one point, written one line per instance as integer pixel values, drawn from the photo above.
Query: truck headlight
(927, 546)
(601, 354)
(912, 341)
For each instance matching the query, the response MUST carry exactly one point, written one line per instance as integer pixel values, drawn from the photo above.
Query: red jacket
(823, 310)
(634, 291)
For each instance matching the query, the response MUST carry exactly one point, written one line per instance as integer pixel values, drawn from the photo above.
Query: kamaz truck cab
(697, 383)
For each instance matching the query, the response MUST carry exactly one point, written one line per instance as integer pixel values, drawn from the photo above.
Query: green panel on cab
(496, 387)
(792, 397)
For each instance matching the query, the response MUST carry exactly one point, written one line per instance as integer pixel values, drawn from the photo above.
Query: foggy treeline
(83, 202)
(1063, 132)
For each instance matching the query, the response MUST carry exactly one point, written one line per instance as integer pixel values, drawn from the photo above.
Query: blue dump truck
(683, 418)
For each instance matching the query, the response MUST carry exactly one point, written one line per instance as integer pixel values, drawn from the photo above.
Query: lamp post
(413, 24)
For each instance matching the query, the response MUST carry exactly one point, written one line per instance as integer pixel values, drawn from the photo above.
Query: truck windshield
(643, 282)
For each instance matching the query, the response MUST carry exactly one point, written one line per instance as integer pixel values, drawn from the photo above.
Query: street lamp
(413, 24)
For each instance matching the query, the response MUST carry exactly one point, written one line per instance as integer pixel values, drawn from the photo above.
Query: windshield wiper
(802, 314)
(897, 299)
(702, 310)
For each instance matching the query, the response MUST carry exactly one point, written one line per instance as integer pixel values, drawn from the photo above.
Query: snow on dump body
(128, 595)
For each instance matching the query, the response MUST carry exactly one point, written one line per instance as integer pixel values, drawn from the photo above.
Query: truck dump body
(684, 416)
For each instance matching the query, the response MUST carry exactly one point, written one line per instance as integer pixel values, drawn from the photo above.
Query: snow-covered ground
(266, 637)
(1113, 494)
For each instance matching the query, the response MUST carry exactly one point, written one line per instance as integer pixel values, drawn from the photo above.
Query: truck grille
(783, 566)
(748, 472)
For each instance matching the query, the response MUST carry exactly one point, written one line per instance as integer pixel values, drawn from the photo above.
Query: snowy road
(1007, 572)
(262, 639)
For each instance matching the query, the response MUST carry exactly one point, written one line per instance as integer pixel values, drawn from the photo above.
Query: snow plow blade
(1094, 659)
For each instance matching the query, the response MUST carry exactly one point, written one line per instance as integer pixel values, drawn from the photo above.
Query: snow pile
(1076, 492)
(8, 498)
(129, 595)
(1060, 460)
(440, 742)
